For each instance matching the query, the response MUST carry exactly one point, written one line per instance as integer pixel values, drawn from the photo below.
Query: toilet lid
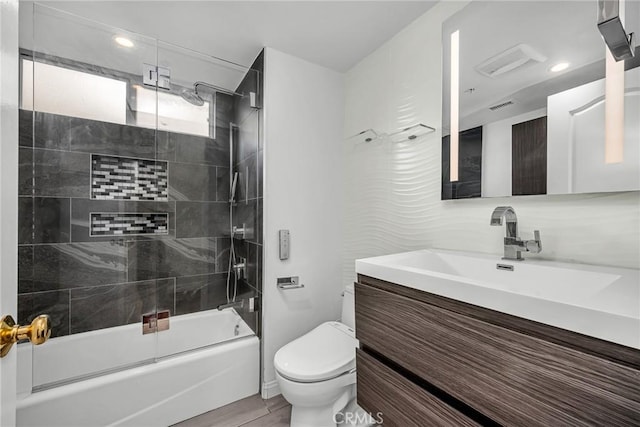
(324, 353)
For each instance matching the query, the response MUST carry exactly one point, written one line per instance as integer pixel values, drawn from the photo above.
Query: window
(65, 91)
(174, 113)
(58, 90)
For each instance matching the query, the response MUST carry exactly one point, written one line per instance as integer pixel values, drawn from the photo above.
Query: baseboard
(270, 389)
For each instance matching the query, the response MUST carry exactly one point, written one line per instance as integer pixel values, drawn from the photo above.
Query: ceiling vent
(501, 105)
(510, 60)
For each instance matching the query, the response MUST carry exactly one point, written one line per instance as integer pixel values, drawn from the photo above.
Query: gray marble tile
(166, 295)
(252, 264)
(223, 245)
(150, 259)
(245, 215)
(225, 109)
(248, 84)
(192, 182)
(165, 147)
(25, 172)
(61, 174)
(198, 293)
(202, 219)
(90, 136)
(107, 306)
(198, 149)
(248, 179)
(223, 138)
(72, 265)
(25, 220)
(55, 304)
(51, 220)
(222, 184)
(248, 135)
(81, 209)
(25, 269)
(25, 128)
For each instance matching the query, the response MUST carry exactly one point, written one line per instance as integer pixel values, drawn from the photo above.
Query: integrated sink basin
(603, 302)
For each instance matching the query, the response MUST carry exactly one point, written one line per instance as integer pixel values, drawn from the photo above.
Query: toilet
(317, 372)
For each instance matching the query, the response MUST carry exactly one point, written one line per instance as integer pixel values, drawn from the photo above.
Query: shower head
(192, 97)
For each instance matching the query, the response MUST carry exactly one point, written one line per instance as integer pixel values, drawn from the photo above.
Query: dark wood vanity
(429, 360)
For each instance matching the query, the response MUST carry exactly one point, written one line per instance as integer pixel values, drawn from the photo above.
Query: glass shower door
(196, 116)
(131, 237)
(93, 196)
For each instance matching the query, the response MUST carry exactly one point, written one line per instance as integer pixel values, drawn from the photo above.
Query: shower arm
(216, 88)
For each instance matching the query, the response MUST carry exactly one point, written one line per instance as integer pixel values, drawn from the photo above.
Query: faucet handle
(534, 245)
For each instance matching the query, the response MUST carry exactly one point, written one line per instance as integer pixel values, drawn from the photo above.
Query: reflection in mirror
(553, 111)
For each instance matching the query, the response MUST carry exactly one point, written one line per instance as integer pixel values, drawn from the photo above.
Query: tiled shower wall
(248, 162)
(87, 281)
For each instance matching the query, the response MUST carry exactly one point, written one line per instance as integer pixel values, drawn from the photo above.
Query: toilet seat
(326, 352)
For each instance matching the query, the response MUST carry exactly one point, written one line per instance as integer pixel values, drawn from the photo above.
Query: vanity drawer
(399, 401)
(510, 377)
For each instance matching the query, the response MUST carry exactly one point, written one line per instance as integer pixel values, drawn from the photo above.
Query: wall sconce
(611, 26)
(455, 107)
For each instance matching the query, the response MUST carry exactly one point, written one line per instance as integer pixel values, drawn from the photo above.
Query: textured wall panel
(122, 178)
(392, 191)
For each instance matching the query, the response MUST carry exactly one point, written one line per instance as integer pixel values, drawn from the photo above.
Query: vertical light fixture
(454, 142)
(614, 104)
(614, 110)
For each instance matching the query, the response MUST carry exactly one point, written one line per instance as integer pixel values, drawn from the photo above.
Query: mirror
(532, 104)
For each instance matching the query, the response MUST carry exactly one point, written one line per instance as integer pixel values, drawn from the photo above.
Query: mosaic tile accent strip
(123, 178)
(126, 224)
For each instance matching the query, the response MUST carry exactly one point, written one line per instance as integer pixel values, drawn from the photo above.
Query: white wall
(392, 192)
(303, 107)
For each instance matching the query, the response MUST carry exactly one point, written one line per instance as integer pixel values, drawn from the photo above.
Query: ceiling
(562, 31)
(333, 34)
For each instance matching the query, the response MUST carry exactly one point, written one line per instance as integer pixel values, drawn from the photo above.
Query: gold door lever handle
(37, 332)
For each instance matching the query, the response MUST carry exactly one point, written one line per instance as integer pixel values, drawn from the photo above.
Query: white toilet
(317, 372)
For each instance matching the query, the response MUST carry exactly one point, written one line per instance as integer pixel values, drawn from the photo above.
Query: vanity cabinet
(422, 354)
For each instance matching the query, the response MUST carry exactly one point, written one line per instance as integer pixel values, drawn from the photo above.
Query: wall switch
(284, 243)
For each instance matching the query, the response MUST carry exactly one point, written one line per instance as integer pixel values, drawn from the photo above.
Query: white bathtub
(189, 376)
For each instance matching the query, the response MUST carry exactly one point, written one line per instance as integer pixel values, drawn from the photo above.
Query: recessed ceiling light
(560, 66)
(123, 41)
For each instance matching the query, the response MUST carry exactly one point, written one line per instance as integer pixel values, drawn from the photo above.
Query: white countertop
(602, 302)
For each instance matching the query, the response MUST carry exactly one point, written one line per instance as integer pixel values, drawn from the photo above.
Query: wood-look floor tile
(233, 415)
(279, 418)
(276, 403)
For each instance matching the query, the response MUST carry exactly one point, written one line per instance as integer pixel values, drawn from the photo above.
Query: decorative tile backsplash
(123, 224)
(123, 178)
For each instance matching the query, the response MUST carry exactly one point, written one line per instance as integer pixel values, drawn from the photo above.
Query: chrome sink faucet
(513, 245)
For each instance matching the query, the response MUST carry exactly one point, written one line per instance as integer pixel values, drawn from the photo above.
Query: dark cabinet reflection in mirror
(529, 157)
(469, 183)
(528, 161)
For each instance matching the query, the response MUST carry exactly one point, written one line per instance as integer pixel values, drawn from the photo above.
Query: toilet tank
(348, 307)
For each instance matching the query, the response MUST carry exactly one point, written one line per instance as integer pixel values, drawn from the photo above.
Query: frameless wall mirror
(534, 102)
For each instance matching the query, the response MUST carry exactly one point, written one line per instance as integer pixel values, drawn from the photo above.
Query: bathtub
(118, 376)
